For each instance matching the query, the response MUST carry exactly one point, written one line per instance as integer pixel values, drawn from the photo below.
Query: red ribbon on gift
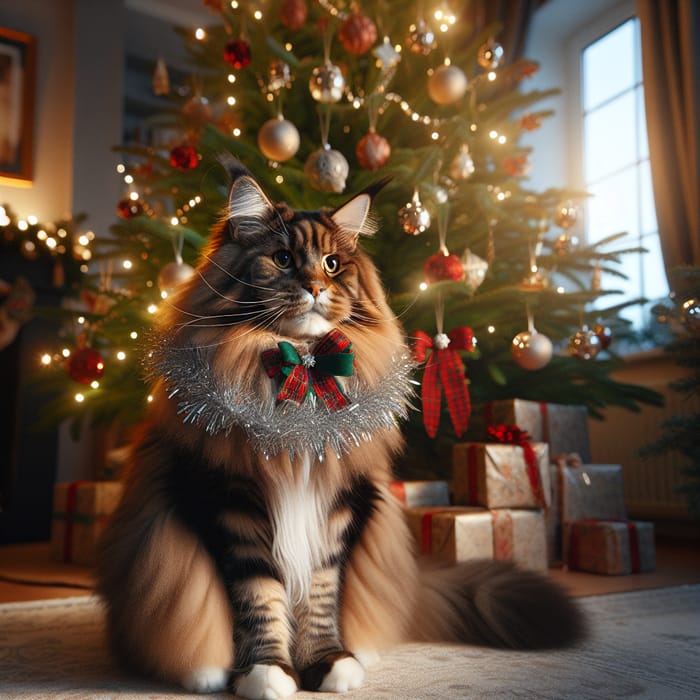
(575, 539)
(444, 371)
(426, 527)
(332, 356)
(512, 435)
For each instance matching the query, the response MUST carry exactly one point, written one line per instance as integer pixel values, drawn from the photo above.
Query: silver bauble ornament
(490, 55)
(531, 350)
(462, 166)
(566, 214)
(279, 75)
(174, 274)
(584, 344)
(278, 139)
(447, 84)
(690, 314)
(475, 269)
(327, 83)
(414, 217)
(327, 170)
(421, 38)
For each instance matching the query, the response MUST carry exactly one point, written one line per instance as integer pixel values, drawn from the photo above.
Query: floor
(27, 572)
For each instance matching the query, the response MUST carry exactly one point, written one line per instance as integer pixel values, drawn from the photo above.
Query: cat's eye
(283, 259)
(331, 264)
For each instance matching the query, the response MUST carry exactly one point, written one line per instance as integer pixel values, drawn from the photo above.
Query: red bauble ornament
(441, 267)
(357, 34)
(128, 208)
(85, 365)
(372, 151)
(184, 157)
(293, 14)
(237, 53)
(604, 335)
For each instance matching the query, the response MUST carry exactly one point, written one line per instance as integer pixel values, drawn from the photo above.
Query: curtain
(671, 64)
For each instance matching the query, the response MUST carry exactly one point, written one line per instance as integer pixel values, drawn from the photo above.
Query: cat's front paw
(265, 682)
(336, 673)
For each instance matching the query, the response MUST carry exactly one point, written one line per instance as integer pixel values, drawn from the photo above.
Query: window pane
(647, 205)
(654, 275)
(643, 140)
(612, 208)
(608, 66)
(610, 139)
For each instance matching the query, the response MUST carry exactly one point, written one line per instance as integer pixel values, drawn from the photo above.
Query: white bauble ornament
(475, 269)
(462, 166)
(327, 83)
(447, 84)
(278, 139)
(174, 274)
(531, 350)
(327, 170)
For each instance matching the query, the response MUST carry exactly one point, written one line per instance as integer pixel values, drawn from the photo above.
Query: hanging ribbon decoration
(512, 435)
(444, 371)
(315, 372)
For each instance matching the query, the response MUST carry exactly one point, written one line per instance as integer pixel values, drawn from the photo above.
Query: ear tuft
(352, 217)
(248, 205)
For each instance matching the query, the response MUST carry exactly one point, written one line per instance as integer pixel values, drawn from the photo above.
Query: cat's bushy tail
(495, 604)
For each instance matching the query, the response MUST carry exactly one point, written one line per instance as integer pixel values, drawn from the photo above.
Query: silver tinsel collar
(271, 427)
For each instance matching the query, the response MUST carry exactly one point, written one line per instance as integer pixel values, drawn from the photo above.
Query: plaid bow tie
(331, 357)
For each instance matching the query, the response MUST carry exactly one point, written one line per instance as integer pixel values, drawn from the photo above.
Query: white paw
(264, 682)
(346, 674)
(207, 679)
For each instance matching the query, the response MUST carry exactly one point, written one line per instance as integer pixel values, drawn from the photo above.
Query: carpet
(643, 644)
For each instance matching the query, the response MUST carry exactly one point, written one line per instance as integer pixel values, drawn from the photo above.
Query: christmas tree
(319, 101)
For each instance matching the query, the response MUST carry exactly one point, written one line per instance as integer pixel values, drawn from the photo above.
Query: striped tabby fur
(224, 568)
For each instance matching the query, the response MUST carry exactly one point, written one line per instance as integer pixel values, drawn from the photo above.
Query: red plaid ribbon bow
(444, 370)
(512, 435)
(330, 358)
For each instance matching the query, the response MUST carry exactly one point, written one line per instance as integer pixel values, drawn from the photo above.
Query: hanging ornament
(475, 269)
(421, 38)
(372, 151)
(516, 166)
(414, 217)
(690, 314)
(446, 84)
(535, 279)
(237, 53)
(327, 170)
(530, 122)
(161, 79)
(566, 214)
(357, 34)
(462, 166)
(197, 111)
(565, 244)
(444, 371)
(327, 83)
(584, 344)
(490, 55)
(293, 14)
(184, 157)
(127, 208)
(278, 139)
(279, 75)
(442, 267)
(173, 274)
(531, 350)
(85, 365)
(387, 56)
(604, 334)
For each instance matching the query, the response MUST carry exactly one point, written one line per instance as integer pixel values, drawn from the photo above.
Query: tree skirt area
(642, 644)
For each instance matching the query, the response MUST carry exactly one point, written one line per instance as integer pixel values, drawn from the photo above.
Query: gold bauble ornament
(278, 139)
(447, 84)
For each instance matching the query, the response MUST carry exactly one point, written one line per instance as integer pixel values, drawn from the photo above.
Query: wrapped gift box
(563, 427)
(421, 493)
(497, 475)
(612, 547)
(461, 533)
(80, 512)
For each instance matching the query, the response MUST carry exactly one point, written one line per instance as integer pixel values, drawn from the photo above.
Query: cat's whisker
(242, 315)
(233, 277)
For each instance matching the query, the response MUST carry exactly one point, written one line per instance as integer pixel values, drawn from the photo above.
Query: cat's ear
(354, 217)
(248, 205)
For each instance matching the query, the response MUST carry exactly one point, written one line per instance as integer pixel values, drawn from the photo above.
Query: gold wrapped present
(80, 512)
(563, 427)
(421, 493)
(497, 475)
(612, 547)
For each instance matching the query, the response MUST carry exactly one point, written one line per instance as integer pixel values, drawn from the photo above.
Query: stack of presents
(528, 494)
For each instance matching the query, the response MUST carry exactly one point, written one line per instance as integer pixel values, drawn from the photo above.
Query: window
(615, 164)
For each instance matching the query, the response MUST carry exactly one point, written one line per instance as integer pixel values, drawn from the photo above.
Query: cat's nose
(314, 288)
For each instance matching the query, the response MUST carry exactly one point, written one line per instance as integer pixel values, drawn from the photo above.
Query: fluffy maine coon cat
(257, 546)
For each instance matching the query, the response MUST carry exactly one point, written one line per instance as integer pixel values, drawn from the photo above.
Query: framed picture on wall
(17, 75)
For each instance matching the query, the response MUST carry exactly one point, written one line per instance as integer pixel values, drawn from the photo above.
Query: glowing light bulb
(95, 384)
(46, 359)
(491, 329)
(200, 34)
(121, 355)
(127, 264)
(65, 352)
(423, 286)
(152, 308)
(79, 398)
